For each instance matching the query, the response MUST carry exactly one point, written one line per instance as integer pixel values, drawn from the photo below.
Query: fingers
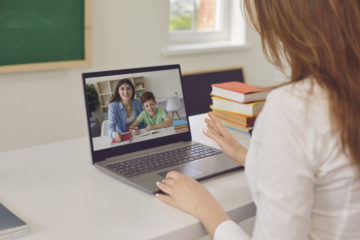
(218, 125)
(117, 137)
(173, 174)
(212, 127)
(213, 135)
(164, 187)
(210, 124)
(216, 121)
(166, 199)
(169, 182)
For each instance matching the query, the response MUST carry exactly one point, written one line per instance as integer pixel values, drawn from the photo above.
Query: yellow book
(244, 120)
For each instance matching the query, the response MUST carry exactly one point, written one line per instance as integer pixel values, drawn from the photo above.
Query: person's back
(311, 167)
(336, 208)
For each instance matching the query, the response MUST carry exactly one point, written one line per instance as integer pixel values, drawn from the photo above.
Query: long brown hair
(319, 40)
(116, 96)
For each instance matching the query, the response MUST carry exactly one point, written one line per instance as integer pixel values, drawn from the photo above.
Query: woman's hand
(149, 127)
(190, 196)
(225, 140)
(117, 136)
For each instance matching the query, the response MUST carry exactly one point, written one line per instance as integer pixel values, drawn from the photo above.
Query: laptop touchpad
(186, 170)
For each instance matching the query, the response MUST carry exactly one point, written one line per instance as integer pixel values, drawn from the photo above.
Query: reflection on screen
(131, 108)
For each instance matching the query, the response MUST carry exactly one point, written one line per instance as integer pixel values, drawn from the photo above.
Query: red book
(124, 137)
(239, 92)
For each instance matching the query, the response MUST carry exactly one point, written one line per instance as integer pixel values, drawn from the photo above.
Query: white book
(11, 226)
(249, 109)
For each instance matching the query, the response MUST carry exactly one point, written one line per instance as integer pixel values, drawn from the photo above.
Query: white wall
(48, 106)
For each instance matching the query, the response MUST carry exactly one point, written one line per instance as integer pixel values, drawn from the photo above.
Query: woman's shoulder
(305, 93)
(301, 102)
(113, 104)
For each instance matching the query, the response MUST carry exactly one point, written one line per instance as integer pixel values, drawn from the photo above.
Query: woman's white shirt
(130, 120)
(302, 183)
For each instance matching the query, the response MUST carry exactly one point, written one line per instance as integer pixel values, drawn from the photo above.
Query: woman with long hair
(303, 162)
(123, 109)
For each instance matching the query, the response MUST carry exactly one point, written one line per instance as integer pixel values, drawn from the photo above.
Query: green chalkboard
(41, 31)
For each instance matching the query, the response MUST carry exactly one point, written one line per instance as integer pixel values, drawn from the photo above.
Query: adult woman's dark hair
(320, 40)
(116, 96)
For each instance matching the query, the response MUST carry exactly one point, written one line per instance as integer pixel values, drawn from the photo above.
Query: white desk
(58, 192)
(104, 142)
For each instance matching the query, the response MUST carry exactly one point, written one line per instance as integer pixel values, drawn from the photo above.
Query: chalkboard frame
(60, 64)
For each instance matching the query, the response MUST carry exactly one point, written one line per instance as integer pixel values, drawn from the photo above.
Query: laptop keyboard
(145, 164)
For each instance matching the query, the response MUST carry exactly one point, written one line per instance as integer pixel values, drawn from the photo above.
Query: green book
(11, 226)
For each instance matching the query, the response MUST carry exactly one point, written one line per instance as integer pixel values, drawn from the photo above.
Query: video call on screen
(106, 119)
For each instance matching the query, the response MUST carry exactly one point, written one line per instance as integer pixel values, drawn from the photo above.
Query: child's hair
(146, 96)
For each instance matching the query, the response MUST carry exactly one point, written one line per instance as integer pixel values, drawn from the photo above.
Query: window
(204, 26)
(198, 20)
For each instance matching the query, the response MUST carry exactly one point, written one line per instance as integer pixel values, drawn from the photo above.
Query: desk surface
(103, 142)
(57, 191)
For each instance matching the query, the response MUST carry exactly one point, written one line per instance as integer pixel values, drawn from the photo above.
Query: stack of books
(180, 126)
(237, 104)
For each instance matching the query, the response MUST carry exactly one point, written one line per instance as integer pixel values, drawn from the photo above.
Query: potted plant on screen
(92, 97)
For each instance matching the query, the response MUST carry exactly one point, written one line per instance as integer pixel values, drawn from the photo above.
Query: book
(181, 129)
(237, 130)
(235, 126)
(235, 122)
(179, 122)
(180, 126)
(124, 137)
(248, 109)
(239, 92)
(11, 226)
(244, 120)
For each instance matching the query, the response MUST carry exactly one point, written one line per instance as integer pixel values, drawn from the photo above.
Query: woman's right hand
(117, 136)
(224, 139)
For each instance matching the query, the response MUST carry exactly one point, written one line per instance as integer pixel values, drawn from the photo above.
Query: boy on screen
(153, 116)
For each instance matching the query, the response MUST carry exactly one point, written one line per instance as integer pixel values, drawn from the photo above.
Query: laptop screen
(134, 109)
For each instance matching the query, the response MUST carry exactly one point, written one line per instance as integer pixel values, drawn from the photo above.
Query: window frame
(195, 36)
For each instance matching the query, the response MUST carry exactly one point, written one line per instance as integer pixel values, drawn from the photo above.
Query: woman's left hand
(149, 127)
(190, 196)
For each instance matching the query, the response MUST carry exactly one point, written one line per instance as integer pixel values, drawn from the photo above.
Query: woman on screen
(123, 109)
(303, 162)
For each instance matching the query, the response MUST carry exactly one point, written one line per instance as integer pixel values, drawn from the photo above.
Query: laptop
(144, 158)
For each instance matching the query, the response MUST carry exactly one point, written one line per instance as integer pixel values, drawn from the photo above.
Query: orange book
(242, 123)
(235, 117)
(235, 126)
(239, 92)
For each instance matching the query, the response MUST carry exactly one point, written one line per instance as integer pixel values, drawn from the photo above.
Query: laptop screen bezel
(103, 154)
